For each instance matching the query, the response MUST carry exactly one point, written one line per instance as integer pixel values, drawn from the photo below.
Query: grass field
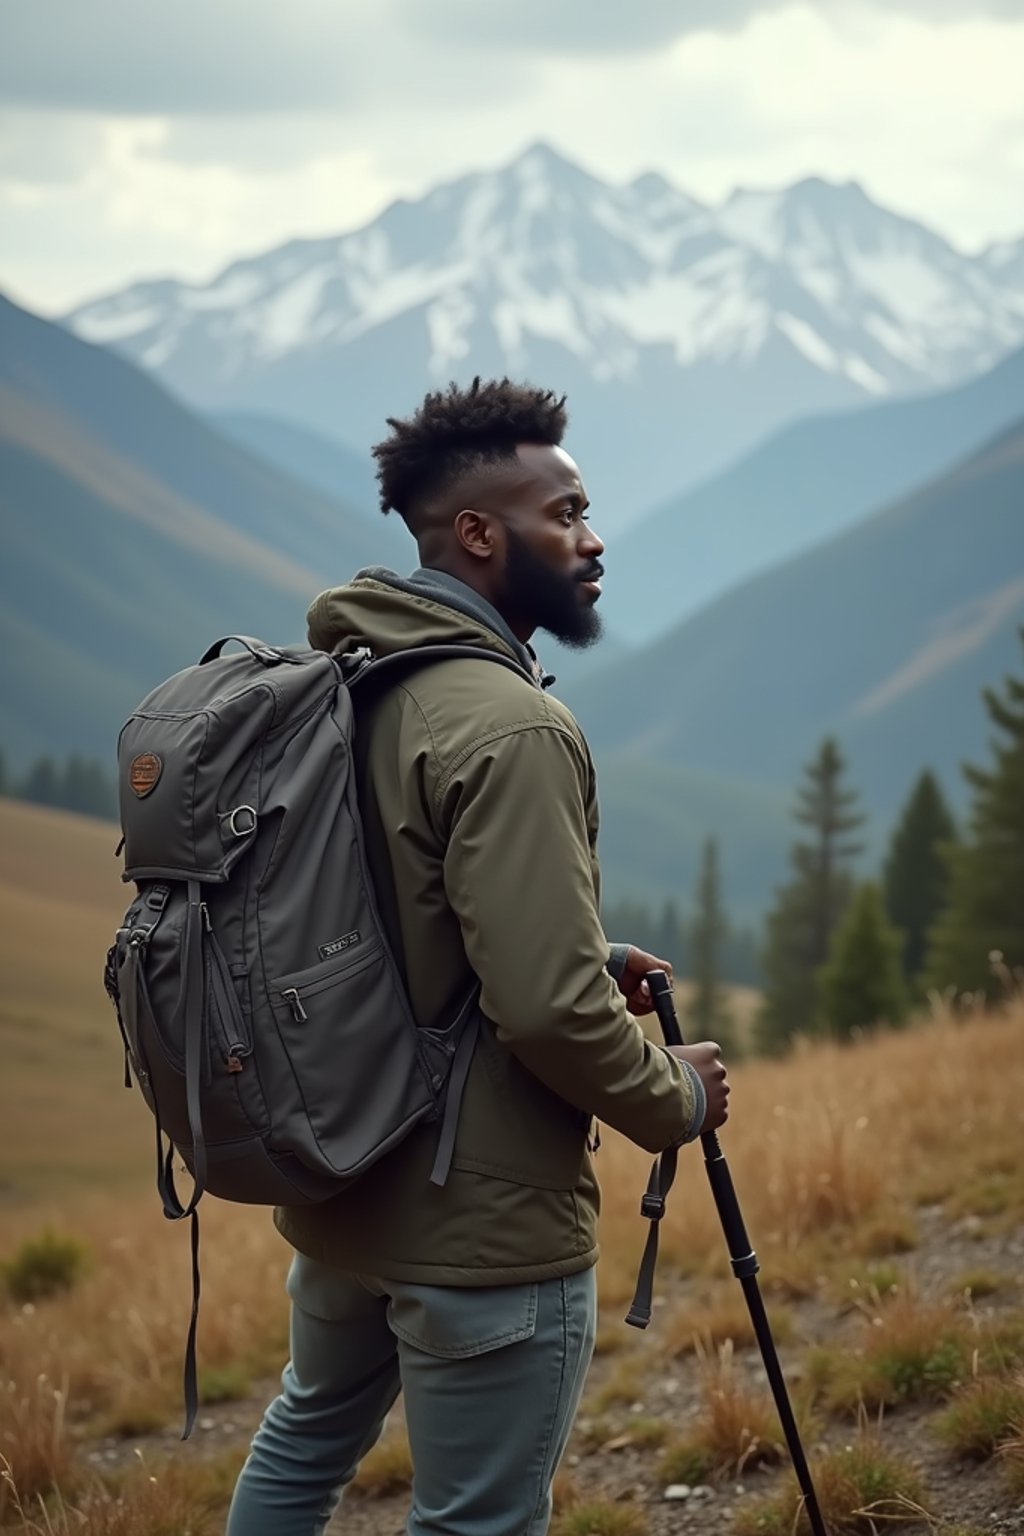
(883, 1186)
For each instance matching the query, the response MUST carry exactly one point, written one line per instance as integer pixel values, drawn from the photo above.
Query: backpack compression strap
(136, 995)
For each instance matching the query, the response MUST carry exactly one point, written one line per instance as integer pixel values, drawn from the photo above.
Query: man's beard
(546, 599)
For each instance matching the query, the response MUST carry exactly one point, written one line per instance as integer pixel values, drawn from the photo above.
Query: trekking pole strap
(663, 1174)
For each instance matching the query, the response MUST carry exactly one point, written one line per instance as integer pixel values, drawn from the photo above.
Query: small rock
(702, 1491)
(207, 1423)
(676, 1491)
(573, 1458)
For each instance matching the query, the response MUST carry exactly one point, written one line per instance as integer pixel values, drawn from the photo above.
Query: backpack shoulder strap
(357, 666)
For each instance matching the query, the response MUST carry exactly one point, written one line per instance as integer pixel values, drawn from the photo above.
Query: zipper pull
(299, 1013)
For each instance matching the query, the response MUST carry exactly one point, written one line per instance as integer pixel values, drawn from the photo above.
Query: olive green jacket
(478, 801)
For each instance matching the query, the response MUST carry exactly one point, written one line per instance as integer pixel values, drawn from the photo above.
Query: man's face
(551, 576)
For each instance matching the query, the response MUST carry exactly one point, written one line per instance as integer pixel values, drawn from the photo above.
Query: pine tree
(916, 877)
(985, 912)
(84, 787)
(708, 1008)
(628, 922)
(42, 783)
(810, 906)
(862, 982)
(668, 944)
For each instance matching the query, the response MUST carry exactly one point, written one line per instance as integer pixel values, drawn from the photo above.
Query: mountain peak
(542, 159)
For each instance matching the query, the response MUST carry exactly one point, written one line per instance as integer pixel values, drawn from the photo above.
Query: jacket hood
(388, 613)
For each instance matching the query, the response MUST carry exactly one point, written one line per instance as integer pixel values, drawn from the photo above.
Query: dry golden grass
(983, 1417)
(386, 1469)
(65, 1119)
(911, 1349)
(163, 1499)
(862, 1489)
(718, 1318)
(830, 1151)
(736, 1428)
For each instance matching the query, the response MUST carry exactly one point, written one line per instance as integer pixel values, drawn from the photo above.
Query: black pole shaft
(744, 1265)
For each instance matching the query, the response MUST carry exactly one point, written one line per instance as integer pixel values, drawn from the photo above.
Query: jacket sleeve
(520, 877)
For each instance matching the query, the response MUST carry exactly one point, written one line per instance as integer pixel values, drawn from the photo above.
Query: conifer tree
(862, 982)
(668, 939)
(42, 783)
(709, 1010)
(84, 787)
(984, 915)
(916, 874)
(809, 907)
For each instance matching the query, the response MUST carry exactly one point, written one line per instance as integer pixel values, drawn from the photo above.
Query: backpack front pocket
(360, 1095)
(302, 987)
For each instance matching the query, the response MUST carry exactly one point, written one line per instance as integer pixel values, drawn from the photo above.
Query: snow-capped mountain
(681, 332)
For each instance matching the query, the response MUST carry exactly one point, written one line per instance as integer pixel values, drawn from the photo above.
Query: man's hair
(459, 431)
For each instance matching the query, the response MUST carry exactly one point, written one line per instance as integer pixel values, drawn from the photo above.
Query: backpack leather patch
(144, 773)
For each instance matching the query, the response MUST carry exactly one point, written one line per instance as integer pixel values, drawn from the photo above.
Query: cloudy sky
(142, 139)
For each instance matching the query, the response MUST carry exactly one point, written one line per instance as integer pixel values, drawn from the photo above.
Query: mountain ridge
(670, 324)
(883, 635)
(806, 483)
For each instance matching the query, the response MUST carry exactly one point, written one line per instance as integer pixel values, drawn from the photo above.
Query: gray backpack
(261, 1010)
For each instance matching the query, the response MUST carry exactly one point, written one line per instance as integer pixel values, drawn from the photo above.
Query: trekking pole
(744, 1264)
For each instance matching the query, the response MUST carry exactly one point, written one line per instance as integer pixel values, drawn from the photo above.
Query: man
(478, 800)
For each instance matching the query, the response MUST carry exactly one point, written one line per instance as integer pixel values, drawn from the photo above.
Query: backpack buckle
(652, 1207)
(352, 662)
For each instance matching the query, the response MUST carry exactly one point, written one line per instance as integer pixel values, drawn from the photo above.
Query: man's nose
(590, 543)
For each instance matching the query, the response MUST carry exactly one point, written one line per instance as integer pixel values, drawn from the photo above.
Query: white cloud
(927, 117)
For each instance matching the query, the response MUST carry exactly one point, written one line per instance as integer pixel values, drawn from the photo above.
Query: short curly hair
(458, 431)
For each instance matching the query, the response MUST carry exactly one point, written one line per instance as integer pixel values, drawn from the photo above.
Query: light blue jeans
(492, 1379)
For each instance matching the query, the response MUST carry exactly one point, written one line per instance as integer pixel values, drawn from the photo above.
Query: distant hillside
(62, 1083)
(807, 483)
(884, 635)
(132, 535)
(321, 462)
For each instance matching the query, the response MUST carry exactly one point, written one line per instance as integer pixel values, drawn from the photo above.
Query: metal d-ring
(237, 831)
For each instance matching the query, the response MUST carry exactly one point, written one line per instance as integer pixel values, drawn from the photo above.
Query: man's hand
(706, 1060)
(631, 983)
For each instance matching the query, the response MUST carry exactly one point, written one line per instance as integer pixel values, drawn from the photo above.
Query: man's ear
(477, 533)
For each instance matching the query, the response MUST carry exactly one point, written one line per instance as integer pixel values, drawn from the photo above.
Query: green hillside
(318, 461)
(804, 485)
(884, 636)
(133, 535)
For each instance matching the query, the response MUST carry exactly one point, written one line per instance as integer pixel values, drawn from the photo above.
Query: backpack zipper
(299, 1014)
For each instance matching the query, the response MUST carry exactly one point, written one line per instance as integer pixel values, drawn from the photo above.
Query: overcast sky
(143, 139)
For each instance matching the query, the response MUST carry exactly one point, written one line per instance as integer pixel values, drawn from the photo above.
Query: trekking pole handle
(660, 989)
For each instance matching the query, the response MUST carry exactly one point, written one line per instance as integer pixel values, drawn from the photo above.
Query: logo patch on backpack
(144, 773)
(335, 947)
